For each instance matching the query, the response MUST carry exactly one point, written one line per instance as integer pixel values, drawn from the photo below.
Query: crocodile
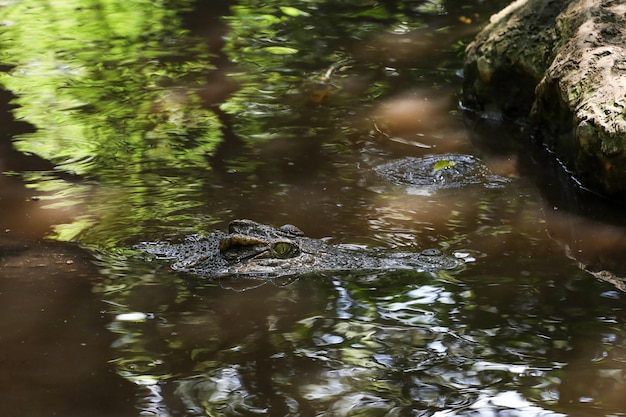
(438, 172)
(254, 250)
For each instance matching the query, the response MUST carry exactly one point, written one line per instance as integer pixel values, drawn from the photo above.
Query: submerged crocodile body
(439, 171)
(257, 250)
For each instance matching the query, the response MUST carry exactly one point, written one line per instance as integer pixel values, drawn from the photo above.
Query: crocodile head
(257, 250)
(248, 240)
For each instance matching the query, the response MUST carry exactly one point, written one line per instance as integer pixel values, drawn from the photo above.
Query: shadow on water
(170, 119)
(589, 227)
(53, 335)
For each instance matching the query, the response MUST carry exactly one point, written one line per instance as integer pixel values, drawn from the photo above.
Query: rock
(561, 65)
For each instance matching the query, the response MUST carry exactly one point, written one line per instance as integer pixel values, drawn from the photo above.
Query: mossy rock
(561, 65)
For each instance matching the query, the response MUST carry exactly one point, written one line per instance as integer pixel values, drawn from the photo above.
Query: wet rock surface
(561, 66)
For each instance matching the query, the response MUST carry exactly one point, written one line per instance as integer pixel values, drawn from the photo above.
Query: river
(124, 122)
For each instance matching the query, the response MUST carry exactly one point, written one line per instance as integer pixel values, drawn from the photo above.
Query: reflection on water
(169, 118)
(396, 343)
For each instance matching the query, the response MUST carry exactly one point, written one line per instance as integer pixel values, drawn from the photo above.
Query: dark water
(126, 121)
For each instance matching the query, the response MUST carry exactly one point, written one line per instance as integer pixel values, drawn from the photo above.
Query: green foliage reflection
(123, 94)
(105, 85)
(113, 89)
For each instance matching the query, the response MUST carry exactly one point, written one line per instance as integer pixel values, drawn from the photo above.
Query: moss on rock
(562, 66)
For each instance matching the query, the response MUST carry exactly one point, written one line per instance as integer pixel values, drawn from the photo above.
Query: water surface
(134, 122)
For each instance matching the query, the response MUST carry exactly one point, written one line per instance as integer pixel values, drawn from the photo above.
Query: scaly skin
(261, 251)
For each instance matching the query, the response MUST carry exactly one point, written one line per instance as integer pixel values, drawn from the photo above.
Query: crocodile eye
(284, 249)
